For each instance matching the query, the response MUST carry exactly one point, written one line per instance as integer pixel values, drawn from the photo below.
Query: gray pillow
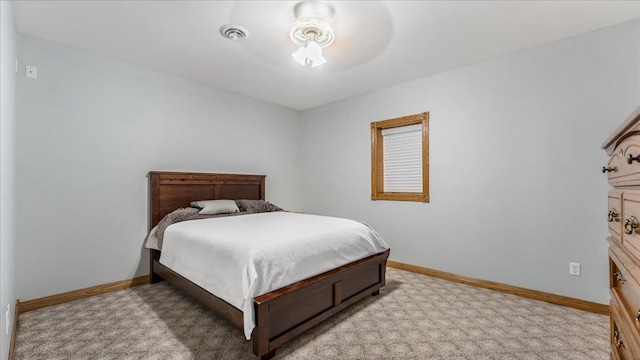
(256, 206)
(214, 207)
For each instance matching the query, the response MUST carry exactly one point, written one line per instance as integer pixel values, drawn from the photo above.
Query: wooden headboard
(169, 191)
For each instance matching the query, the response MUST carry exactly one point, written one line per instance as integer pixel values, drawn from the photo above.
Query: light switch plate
(31, 72)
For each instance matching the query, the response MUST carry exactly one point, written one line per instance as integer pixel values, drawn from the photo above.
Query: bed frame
(281, 314)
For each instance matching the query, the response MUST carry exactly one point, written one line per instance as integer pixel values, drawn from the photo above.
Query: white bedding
(240, 257)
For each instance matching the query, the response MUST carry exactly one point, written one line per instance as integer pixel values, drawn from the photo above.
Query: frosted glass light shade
(309, 55)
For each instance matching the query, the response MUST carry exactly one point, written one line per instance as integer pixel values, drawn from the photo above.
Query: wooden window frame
(377, 158)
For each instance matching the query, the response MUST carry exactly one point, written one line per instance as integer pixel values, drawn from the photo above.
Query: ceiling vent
(234, 32)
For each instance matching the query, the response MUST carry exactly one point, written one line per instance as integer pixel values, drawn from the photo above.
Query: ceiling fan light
(301, 55)
(312, 35)
(309, 55)
(314, 54)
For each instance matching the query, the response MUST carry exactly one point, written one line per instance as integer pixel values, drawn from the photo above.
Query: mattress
(238, 258)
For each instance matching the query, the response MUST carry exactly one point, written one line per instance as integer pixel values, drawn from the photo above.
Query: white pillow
(214, 207)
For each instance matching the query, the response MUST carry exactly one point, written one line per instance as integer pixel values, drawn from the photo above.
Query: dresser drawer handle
(630, 225)
(608, 169)
(617, 340)
(619, 277)
(616, 335)
(632, 158)
(612, 215)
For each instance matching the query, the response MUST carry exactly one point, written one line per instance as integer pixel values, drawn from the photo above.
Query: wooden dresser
(623, 216)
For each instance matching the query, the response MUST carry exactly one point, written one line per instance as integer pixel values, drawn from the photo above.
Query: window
(400, 158)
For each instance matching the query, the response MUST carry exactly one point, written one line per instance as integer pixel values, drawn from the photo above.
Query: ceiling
(378, 43)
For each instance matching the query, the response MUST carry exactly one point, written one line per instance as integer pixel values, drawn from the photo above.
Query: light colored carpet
(415, 317)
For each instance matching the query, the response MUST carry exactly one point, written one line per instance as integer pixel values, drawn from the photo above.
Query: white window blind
(402, 155)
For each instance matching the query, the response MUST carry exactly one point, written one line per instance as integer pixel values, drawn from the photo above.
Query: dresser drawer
(620, 171)
(624, 285)
(614, 213)
(631, 222)
(623, 341)
(619, 342)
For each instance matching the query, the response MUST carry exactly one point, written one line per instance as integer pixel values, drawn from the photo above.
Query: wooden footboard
(285, 313)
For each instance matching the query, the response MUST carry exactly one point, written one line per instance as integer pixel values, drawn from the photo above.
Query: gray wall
(516, 188)
(7, 170)
(516, 192)
(89, 130)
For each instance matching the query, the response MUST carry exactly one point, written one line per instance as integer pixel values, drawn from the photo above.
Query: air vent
(234, 32)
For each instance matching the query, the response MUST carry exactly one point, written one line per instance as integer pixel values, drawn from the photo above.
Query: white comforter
(238, 258)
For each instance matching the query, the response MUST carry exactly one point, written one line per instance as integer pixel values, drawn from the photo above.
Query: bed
(281, 314)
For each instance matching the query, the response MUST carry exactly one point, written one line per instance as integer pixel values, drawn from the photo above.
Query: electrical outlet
(574, 269)
(7, 319)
